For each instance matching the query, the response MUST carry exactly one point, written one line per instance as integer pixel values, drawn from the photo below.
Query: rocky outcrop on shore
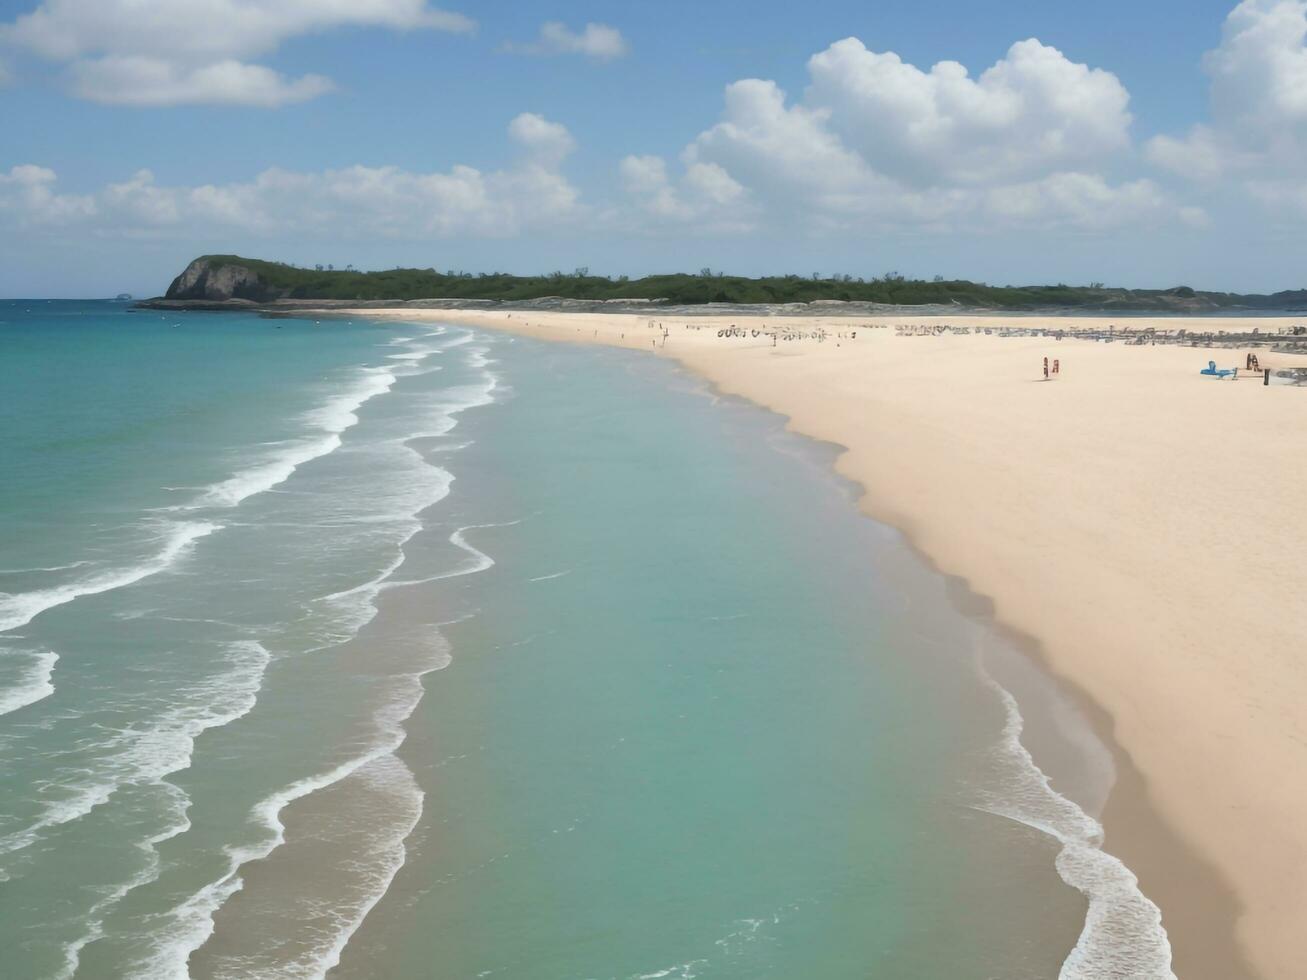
(208, 282)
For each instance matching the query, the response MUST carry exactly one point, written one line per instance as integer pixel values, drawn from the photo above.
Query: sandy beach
(1139, 524)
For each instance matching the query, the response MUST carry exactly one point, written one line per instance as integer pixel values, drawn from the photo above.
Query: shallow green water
(423, 652)
(695, 725)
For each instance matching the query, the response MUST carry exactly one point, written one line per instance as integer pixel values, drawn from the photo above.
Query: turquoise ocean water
(389, 650)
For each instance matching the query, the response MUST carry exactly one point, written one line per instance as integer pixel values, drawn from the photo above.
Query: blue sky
(1145, 144)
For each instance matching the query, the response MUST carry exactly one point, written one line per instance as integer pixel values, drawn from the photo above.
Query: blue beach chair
(1212, 371)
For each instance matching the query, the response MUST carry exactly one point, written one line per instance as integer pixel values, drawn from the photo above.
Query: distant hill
(223, 278)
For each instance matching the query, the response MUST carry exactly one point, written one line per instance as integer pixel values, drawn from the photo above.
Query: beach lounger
(1212, 371)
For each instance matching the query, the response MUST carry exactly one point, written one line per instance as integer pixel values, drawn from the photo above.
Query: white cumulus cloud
(784, 149)
(142, 81)
(1256, 138)
(546, 143)
(879, 142)
(28, 197)
(348, 202)
(705, 194)
(1259, 71)
(1032, 111)
(1084, 201)
(172, 52)
(598, 41)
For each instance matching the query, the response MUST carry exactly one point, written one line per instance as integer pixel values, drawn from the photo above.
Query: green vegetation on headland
(219, 278)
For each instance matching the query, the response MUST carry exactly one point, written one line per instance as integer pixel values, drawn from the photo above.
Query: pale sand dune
(1146, 525)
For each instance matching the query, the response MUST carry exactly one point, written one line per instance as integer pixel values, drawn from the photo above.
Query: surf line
(196, 916)
(1123, 933)
(480, 560)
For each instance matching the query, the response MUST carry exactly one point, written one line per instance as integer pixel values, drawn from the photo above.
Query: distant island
(231, 280)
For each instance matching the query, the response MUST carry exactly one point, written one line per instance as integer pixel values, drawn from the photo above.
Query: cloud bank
(367, 201)
(175, 52)
(1256, 139)
(875, 140)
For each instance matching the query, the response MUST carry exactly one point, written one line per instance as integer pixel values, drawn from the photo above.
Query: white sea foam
(192, 922)
(263, 476)
(234, 694)
(19, 609)
(148, 872)
(338, 414)
(458, 340)
(187, 928)
(448, 403)
(390, 856)
(1123, 934)
(356, 607)
(144, 756)
(480, 561)
(34, 679)
(330, 420)
(357, 604)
